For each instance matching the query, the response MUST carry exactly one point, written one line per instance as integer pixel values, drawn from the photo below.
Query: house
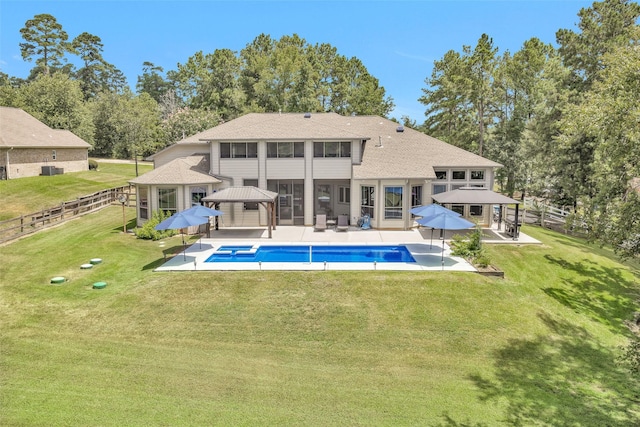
(320, 163)
(28, 147)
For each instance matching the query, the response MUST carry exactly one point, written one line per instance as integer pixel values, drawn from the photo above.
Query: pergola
(247, 195)
(479, 196)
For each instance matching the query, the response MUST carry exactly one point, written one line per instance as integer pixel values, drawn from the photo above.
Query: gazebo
(480, 196)
(247, 195)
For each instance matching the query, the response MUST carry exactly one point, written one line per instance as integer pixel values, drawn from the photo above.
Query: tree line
(94, 101)
(563, 121)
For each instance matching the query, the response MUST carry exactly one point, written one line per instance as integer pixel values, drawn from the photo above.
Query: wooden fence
(15, 228)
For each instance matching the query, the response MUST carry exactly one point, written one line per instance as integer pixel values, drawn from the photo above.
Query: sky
(397, 41)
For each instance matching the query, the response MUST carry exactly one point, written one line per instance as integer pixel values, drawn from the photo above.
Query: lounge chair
(343, 223)
(321, 223)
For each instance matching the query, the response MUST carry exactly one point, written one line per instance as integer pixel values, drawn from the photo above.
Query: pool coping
(428, 256)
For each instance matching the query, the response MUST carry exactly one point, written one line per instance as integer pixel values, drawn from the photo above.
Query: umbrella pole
(431, 243)
(184, 246)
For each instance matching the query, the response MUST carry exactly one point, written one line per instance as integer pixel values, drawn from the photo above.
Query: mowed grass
(27, 195)
(310, 348)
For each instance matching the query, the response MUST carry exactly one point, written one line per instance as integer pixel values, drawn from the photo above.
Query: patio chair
(343, 223)
(321, 222)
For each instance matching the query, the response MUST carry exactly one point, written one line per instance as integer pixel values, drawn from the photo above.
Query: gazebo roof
(473, 196)
(241, 194)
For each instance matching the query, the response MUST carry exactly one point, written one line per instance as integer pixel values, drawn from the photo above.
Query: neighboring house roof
(473, 196)
(21, 130)
(241, 194)
(184, 170)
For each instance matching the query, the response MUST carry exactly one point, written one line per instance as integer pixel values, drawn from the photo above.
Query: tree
(46, 41)
(126, 125)
(516, 96)
(603, 27)
(449, 114)
(609, 116)
(482, 65)
(57, 101)
(96, 75)
(152, 82)
(186, 122)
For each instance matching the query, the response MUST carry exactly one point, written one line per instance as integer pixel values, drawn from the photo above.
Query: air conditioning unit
(48, 170)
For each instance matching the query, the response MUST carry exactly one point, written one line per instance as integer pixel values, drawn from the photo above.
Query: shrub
(93, 165)
(470, 248)
(148, 231)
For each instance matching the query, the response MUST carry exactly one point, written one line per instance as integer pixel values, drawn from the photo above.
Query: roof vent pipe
(307, 115)
(400, 128)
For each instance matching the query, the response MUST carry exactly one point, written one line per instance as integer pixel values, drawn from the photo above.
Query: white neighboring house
(28, 147)
(320, 163)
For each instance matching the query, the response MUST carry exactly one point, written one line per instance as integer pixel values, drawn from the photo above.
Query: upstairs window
(477, 175)
(238, 150)
(285, 149)
(331, 149)
(458, 175)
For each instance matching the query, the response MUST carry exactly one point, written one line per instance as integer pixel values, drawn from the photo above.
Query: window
(344, 195)
(197, 193)
(167, 200)
(475, 210)
(439, 188)
(458, 175)
(458, 208)
(441, 175)
(250, 206)
(143, 197)
(416, 196)
(238, 150)
(393, 202)
(54, 155)
(331, 149)
(285, 149)
(477, 174)
(367, 201)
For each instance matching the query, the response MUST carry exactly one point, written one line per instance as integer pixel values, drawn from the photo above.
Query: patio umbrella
(199, 210)
(432, 210)
(180, 221)
(429, 211)
(445, 221)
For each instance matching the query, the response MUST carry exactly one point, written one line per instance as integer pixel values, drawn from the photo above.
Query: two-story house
(320, 163)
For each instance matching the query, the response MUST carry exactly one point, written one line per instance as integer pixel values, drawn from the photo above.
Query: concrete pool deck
(426, 252)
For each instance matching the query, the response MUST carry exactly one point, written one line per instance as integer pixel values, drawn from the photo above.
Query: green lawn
(310, 348)
(32, 194)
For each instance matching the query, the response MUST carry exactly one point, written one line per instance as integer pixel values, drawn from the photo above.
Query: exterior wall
(24, 162)
(176, 151)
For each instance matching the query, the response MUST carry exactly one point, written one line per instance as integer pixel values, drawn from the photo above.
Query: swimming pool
(313, 253)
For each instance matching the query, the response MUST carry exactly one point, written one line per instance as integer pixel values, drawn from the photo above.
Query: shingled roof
(19, 129)
(388, 153)
(184, 170)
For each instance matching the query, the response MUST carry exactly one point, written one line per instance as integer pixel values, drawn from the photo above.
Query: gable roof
(473, 196)
(388, 153)
(19, 129)
(241, 194)
(184, 170)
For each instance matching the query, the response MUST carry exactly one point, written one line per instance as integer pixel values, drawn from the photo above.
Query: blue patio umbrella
(199, 210)
(445, 221)
(181, 220)
(429, 211)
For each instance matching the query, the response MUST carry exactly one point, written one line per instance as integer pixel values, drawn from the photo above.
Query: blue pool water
(317, 253)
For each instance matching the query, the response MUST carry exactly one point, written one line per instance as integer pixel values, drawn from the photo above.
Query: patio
(418, 240)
